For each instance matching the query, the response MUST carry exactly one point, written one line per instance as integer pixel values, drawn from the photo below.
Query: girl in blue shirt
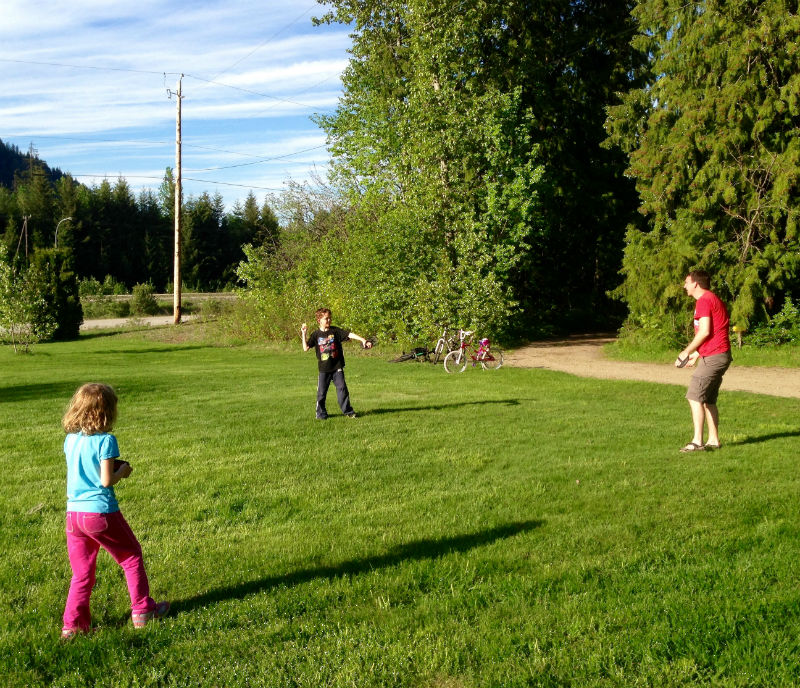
(93, 516)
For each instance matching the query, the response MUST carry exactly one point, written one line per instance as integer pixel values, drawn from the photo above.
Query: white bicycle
(489, 359)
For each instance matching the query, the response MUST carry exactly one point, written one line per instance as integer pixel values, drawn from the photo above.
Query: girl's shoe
(159, 611)
(70, 633)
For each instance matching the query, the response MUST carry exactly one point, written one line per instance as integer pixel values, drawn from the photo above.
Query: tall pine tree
(714, 143)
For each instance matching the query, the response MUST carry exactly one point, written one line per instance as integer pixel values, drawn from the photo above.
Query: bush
(90, 286)
(58, 286)
(782, 328)
(142, 301)
(98, 307)
(26, 317)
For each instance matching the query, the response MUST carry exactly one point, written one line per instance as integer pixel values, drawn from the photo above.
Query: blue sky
(87, 83)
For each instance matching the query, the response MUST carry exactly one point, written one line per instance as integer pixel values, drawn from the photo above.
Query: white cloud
(101, 106)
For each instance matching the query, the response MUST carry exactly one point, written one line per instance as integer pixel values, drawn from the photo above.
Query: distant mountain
(13, 160)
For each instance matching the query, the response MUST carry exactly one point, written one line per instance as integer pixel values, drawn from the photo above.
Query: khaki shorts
(707, 378)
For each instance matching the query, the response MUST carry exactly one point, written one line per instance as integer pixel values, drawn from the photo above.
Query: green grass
(781, 356)
(506, 528)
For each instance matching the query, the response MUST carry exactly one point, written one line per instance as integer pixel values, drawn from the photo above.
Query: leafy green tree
(475, 128)
(713, 141)
(25, 317)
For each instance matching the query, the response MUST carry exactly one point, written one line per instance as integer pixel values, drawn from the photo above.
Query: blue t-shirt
(84, 453)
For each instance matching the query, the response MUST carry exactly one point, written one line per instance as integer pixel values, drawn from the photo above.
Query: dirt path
(582, 355)
(122, 322)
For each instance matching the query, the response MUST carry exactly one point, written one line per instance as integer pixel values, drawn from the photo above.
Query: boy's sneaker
(351, 415)
(159, 611)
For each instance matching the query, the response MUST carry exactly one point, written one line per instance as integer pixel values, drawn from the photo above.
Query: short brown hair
(702, 278)
(322, 311)
(92, 409)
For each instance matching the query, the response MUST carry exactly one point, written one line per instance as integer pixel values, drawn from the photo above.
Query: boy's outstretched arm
(304, 336)
(364, 342)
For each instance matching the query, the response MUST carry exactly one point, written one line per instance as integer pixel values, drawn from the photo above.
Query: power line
(251, 92)
(190, 179)
(151, 142)
(261, 45)
(72, 66)
(257, 162)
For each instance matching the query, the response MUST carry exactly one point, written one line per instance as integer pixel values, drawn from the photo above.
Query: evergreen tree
(713, 138)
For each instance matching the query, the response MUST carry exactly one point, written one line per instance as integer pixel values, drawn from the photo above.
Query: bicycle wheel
(493, 360)
(403, 357)
(455, 361)
(438, 352)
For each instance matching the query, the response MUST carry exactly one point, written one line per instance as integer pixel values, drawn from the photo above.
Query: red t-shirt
(709, 305)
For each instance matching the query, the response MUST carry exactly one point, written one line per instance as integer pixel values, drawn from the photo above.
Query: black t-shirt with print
(328, 345)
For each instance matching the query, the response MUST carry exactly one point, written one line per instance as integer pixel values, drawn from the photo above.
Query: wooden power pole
(176, 303)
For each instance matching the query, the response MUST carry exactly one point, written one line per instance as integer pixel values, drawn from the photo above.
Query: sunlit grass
(503, 528)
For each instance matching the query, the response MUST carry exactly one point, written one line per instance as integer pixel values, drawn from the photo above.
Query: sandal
(713, 447)
(692, 447)
(159, 611)
(70, 633)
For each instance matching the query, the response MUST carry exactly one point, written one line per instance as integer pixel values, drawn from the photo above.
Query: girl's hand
(124, 470)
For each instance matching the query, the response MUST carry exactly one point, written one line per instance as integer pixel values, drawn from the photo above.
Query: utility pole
(176, 302)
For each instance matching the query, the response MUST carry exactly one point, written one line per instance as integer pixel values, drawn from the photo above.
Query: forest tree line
(530, 166)
(518, 166)
(108, 230)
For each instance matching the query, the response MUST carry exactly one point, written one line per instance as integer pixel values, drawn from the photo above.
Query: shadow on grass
(152, 350)
(50, 390)
(92, 334)
(440, 407)
(413, 551)
(764, 438)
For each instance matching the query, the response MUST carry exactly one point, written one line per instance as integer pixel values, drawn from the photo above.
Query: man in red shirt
(710, 350)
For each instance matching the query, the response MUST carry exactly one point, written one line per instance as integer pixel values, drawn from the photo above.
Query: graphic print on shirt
(327, 347)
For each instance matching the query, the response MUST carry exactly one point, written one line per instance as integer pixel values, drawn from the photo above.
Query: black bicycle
(420, 353)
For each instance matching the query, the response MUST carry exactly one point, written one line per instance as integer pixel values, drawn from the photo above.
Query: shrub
(89, 287)
(782, 328)
(143, 302)
(25, 317)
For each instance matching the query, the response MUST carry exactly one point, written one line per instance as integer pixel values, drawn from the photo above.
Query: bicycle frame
(444, 344)
(467, 352)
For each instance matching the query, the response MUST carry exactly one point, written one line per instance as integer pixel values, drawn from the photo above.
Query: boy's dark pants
(342, 395)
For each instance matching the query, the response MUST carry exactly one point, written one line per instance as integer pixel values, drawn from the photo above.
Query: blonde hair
(92, 409)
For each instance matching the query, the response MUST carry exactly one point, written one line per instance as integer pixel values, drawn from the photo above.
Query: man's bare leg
(712, 419)
(698, 419)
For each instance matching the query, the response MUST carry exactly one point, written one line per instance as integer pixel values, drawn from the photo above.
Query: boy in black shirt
(327, 342)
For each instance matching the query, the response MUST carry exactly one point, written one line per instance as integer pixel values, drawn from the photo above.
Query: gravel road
(582, 355)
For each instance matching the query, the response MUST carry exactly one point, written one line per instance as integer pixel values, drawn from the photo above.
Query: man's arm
(703, 333)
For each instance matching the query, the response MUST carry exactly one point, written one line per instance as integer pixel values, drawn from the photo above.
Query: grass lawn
(780, 356)
(499, 528)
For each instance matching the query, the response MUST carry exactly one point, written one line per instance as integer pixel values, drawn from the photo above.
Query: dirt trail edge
(583, 355)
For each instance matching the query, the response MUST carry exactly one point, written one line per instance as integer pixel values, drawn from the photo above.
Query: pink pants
(86, 534)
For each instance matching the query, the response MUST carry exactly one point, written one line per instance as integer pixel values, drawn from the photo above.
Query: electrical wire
(255, 162)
